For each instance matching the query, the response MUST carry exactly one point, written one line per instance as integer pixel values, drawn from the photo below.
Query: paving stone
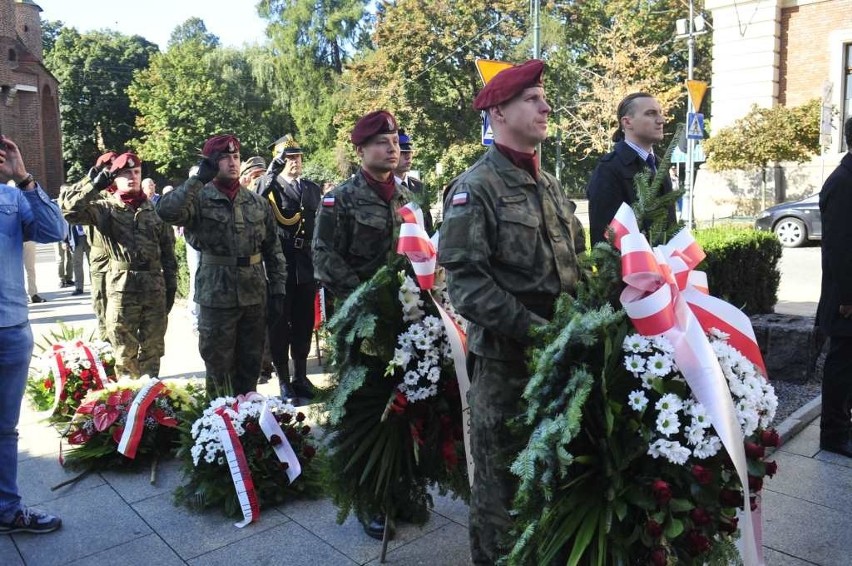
(833, 458)
(37, 475)
(93, 520)
(812, 480)
(805, 443)
(192, 533)
(448, 546)
(37, 439)
(135, 485)
(806, 530)
(453, 509)
(320, 518)
(775, 558)
(288, 544)
(148, 550)
(8, 553)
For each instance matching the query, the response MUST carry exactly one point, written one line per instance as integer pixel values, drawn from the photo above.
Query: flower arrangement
(65, 372)
(395, 411)
(205, 464)
(96, 430)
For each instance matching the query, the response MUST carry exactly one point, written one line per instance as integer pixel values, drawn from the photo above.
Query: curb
(801, 417)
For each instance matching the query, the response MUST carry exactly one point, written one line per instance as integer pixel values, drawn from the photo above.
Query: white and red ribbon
(665, 296)
(240, 473)
(57, 361)
(415, 244)
(135, 424)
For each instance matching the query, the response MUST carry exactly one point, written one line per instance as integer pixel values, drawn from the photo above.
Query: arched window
(13, 56)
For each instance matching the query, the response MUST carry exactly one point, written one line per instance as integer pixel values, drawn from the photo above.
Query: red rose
(283, 466)
(309, 451)
(659, 556)
(701, 474)
(662, 492)
(275, 440)
(306, 430)
(63, 395)
(252, 427)
(284, 418)
(755, 483)
(696, 543)
(770, 437)
(78, 395)
(654, 529)
(731, 498)
(300, 416)
(754, 451)
(771, 468)
(700, 516)
(729, 525)
(291, 434)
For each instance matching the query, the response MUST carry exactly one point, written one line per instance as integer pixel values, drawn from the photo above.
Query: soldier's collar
(510, 174)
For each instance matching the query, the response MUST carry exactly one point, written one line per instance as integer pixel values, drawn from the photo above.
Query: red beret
(125, 161)
(106, 159)
(225, 143)
(373, 124)
(509, 83)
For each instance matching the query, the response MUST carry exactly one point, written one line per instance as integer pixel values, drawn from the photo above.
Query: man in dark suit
(413, 184)
(834, 313)
(640, 126)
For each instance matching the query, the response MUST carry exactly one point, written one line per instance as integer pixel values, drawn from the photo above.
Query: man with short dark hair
(242, 272)
(29, 215)
(640, 126)
(413, 184)
(834, 313)
(509, 246)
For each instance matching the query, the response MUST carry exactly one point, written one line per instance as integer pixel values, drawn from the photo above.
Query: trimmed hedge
(182, 268)
(742, 266)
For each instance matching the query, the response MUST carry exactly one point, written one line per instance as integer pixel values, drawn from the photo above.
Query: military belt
(232, 261)
(298, 241)
(135, 265)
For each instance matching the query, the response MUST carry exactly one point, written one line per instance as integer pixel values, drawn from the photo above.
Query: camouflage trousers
(230, 341)
(495, 398)
(99, 301)
(137, 327)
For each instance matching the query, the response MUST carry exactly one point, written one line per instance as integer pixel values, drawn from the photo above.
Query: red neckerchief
(526, 161)
(227, 188)
(383, 188)
(133, 199)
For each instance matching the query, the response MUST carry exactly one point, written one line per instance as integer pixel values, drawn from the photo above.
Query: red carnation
(696, 543)
(700, 516)
(770, 437)
(659, 557)
(309, 451)
(275, 440)
(755, 483)
(755, 451)
(771, 468)
(731, 498)
(662, 492)
(654, 529)
(300, 416)
(701, 474)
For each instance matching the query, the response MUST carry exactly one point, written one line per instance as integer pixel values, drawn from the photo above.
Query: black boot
(302, 387)
(287, 393)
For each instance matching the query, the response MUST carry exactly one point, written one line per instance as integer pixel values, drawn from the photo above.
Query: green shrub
(183, 269)
(742, 266)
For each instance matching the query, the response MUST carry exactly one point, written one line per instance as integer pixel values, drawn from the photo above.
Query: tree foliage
(94, 70)
(193, 29)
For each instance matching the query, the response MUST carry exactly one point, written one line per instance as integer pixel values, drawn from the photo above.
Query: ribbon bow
(665, 296)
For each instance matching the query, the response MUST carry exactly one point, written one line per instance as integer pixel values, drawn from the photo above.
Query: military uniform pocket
(370, 233)
(517, 237)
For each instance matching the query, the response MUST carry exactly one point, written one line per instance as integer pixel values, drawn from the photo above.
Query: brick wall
(805, 50)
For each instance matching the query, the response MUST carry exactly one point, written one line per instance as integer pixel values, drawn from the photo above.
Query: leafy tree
(49, 32)
(193, 29)
(94, 70)
(766, 136)
(194, 91)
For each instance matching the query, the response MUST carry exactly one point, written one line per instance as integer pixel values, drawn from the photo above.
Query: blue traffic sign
(695, 126)
(487, 134)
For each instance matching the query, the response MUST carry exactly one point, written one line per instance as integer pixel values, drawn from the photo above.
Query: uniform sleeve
(605, 198)
(40, 217)
(466, 244)
(273, 257)
(167, 256)
(80, 204)
(178, 206)
(332, 236)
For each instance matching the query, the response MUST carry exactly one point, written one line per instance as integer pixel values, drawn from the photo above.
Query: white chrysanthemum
(695, 433)
(659, 364)
(668, 423)
(671, 450)
(635, 364)
(699, 415)
(635, 343)
(662, 344)
(648, 380)
(669, 403)
(707, 449)
(637, 400)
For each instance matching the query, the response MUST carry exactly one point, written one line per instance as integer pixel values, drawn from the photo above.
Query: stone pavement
(113, 517)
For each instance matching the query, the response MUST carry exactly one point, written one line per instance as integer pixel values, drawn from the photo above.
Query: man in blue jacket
(26, 213)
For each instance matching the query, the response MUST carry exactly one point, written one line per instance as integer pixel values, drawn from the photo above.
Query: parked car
(794, 223)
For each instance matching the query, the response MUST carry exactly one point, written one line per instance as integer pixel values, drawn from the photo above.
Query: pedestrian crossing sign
(487, 133)
(695, 126)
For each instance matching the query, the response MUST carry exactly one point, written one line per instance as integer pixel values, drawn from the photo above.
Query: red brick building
(29, 93)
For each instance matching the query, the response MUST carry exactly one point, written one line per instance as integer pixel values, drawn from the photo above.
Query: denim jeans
(16, 348)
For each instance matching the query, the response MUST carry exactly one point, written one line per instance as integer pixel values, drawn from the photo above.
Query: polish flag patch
(328, 201)
(460, 199)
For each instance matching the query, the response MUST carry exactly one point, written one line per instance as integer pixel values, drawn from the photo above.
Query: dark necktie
(652, 163)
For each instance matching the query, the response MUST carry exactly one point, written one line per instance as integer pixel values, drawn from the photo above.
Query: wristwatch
(25, 182)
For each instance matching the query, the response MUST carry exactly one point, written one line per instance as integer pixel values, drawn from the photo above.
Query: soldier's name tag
(328, 201)
(460, 199)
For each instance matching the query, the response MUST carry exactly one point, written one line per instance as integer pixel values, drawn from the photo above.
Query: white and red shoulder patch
(328, 201)
(460, 199)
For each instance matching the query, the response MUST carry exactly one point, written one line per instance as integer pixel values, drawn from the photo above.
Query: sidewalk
(115, 517)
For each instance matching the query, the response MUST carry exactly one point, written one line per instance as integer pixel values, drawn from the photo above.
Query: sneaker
(37, 299)
(31, 520)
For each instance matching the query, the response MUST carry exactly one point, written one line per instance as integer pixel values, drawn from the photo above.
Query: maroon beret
(125, 161)
(373, 124)
(225, 143)
(106, 159)
(509, 83)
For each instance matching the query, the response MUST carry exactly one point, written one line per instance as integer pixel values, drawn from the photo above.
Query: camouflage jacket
(223, 231)
(509, 246)
(355, 234)
(98, 256)
(137, 239)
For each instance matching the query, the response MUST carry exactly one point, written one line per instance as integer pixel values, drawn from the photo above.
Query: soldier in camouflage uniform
(357, 224)
(142, 277)
(235, 232)
(99, 259)
(508, 245)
